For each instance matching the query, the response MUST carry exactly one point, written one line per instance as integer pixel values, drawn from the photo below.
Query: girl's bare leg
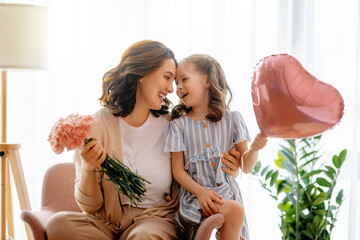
(234, 219)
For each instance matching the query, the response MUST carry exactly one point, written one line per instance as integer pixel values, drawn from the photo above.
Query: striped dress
(203, 143)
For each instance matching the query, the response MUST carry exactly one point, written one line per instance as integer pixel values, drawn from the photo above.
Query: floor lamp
(23, 45)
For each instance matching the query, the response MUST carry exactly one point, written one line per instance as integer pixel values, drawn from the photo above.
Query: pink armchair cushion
(58, 189)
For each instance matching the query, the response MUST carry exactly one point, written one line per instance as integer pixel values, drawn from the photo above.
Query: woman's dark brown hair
(119, 84)
(218, 87)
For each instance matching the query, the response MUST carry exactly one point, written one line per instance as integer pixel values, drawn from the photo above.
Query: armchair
(58, 195)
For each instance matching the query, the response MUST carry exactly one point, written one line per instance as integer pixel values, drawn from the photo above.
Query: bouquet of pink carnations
(73, 132)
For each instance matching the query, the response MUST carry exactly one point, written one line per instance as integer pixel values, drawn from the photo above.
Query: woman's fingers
(227, 171)
(231, 162)
(87, 147)
(235, 153)
(228, 164)
(102, 157)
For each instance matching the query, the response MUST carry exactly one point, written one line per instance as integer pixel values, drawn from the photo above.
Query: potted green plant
(303, 189)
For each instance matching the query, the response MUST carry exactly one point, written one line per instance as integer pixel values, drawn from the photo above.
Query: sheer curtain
(87, 38)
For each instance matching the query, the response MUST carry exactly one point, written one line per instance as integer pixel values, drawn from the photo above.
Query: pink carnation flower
(70, 132)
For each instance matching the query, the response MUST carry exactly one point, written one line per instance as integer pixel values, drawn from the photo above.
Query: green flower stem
(126, 181)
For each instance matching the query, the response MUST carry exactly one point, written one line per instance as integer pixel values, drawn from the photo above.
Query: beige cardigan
(106, 204)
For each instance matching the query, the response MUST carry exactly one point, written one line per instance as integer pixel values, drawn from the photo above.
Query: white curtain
(88, 37)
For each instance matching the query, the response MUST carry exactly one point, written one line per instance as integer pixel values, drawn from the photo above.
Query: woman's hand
(232, 161)
(93, 154)
(206, 200)
(259, 142)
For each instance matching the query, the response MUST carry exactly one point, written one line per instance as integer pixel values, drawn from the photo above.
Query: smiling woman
(130, 92)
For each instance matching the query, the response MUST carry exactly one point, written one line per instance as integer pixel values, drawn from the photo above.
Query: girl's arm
(204, 196)
(250, 156)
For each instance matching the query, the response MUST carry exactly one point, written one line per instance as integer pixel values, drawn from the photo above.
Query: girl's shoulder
(234, 114)
(179, 119)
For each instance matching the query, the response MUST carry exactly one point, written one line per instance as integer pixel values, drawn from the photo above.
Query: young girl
(202, 130)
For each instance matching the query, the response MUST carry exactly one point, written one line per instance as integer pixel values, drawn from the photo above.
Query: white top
(142, 153)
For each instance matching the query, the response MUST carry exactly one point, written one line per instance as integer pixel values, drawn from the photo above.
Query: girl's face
(153, 87)
(192, 85)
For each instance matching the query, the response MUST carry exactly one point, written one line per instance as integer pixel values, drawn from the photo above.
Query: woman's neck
(137, 117)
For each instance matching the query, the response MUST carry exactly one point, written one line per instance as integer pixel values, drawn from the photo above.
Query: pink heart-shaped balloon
(291, 103)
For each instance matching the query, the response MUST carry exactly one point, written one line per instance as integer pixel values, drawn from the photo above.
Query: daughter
(202, 130)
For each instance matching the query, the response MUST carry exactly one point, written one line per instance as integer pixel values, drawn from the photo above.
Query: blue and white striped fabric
(203, 143)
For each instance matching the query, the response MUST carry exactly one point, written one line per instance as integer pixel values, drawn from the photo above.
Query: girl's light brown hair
(218, 90)
(120, 83)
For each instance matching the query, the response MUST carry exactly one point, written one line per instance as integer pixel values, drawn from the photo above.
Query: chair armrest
(37, 221)
(208, 225)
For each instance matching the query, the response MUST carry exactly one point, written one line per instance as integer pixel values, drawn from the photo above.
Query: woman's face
(155, 86)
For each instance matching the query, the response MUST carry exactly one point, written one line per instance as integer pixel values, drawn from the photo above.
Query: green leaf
(308, 154)
(268, 175)
(291, 198)
(329, 174)
(264, 170)
(332, 170)
(305, 140)
(274, 178)
(310, 228)
(316, 221)
(288, 155)
(291, 143)
(257, 167)
(284, 207)
(336, 161)
(289, 167)
(308, 162)
(339, 197)
(308, 234)
(323, 182)
(308, 197)
(278, 163)
(281, 184)
(342, 156)
(311, 173)
(320, 212)
(320, 198)
(318, 137)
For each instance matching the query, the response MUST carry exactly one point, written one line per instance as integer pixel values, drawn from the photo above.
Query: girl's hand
(259, 142)
(232, 161)
(206, 200)
(93, 154)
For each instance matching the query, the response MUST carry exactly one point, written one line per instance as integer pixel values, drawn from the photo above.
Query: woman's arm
(204, 196)
(250, 156)
(87, 190)
(93, 155)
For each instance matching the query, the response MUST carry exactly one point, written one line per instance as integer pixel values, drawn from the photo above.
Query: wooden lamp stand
(9, 154)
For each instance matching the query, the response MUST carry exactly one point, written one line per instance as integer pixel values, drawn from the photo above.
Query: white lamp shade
(23, 36)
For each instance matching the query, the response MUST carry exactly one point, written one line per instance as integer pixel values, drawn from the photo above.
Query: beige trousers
(80, 226)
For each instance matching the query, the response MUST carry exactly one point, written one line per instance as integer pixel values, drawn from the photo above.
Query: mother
(130, 127)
